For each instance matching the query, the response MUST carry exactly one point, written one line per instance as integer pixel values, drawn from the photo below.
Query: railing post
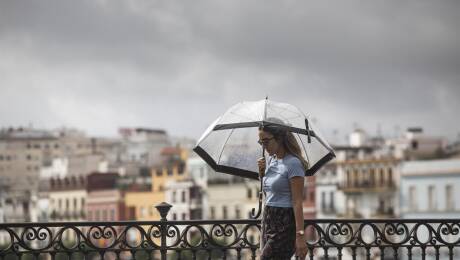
(163, 208)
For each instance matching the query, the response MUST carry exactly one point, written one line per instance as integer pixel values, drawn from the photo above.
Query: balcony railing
(229, 239)
(367, 186)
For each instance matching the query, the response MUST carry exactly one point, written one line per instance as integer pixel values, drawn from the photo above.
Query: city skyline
(101, 65)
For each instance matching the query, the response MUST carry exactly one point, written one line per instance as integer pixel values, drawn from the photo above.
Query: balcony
(366, 187)
(228, 239)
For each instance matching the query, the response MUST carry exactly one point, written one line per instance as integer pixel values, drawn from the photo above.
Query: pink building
(105, 201)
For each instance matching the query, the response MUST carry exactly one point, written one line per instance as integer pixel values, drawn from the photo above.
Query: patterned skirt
(278, 233)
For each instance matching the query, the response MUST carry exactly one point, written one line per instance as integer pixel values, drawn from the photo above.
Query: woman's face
(268, 141)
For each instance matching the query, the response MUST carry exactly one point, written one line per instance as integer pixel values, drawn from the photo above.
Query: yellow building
(141, 203)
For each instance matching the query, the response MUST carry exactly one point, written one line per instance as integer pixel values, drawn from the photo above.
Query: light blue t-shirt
(276, 182)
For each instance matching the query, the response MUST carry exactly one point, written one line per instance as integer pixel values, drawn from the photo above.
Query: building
(66, 199)
(370, 187)
(142, 201)
(143, 145)
(415, 145)
(59, 168)
(18, 205)
(430, 189)
(309, 200)
(330, 200)
(105, 201)
(23, 152)
(187, 200)
(233, 199)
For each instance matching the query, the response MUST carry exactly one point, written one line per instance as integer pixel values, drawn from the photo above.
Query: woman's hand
(301, 246)
(261, 163)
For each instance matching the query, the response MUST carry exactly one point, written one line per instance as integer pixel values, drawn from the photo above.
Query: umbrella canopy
(229, 145)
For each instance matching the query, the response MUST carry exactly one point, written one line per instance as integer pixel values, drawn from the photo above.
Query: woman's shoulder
(292, 160)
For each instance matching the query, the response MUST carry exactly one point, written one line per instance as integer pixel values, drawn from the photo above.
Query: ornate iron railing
(227, 239)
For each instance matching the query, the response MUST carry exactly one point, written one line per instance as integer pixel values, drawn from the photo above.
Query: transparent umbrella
(229, 145)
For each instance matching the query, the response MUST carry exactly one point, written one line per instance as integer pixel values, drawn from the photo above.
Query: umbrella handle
(253, 211)
(253, 214)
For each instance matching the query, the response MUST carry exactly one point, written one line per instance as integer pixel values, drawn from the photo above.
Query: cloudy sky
(99, 65)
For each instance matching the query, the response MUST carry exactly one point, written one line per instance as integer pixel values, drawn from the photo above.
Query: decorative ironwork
(228, 239)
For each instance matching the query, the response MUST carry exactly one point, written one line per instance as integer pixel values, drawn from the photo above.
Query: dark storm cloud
(101, 64)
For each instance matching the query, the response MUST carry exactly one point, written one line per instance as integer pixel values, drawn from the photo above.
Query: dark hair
(286, 138)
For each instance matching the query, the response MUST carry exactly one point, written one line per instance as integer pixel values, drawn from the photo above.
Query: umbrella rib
(265, 110)
(305, 149)
(223, 147)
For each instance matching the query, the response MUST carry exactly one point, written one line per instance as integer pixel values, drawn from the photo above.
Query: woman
(283, 182)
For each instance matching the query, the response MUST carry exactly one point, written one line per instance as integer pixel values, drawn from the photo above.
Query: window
(98, 215)
(224, 212)
(112, 215)
(213, 213)
(356, 178)
(104, 215)
(174, 216)
(75, 202)
(382, 176)
(184, 216)
(29, 157)
(82, 203)
(249, 193)
(431, 198)
(159, 173)
(390, 176)
(237, 212)
(173, 197)
(412, 198)
(331, 202)
(323, 200)
(349, 178)
(372, 176)
(449, 197)
(183, 196)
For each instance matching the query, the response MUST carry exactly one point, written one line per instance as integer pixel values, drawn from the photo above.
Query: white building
(187, 200)
(329, 200)
(59, 168)
(199, 171)
(143, 145)
(232, 200)
(430, 189)
(67, 199)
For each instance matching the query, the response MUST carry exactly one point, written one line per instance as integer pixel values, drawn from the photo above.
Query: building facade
(430, 189)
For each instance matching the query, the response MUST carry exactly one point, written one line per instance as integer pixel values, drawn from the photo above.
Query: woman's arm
(297, 204)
